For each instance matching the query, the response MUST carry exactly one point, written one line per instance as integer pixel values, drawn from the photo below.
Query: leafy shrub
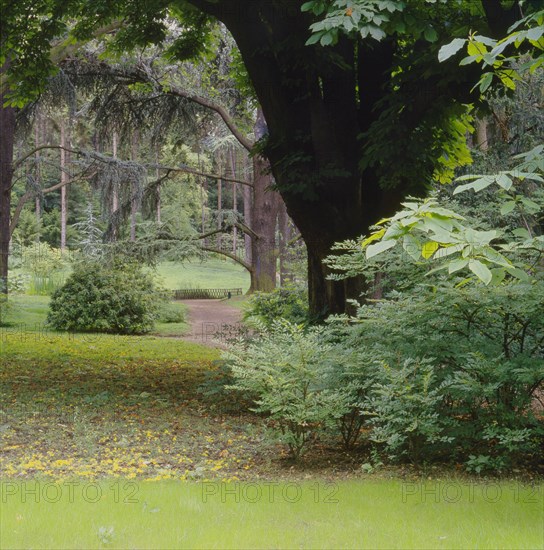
(170, 312)
(17, 284)
(441, 373)
(282, 371)
(405, 411)
(118, 298)
(464, 367)
(5, 306)
(288, 302)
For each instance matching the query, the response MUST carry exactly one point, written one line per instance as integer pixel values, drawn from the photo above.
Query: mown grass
(213, 273)
(385, 514)
(117, 410)
(29, 314)
(194, 273)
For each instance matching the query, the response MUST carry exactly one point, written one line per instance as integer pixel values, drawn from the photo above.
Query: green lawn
(214, 273)
(28, 314)
(131, 438)
(120, 514)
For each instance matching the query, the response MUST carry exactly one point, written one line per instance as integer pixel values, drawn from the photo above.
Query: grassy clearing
(310, 515)
(28, 315)
(213, 273)
(127, 419)
(91, 405)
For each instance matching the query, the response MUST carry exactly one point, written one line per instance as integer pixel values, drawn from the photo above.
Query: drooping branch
(230, 255)
(30, 193)
(17, 163)
(219, 109)
(188, 170)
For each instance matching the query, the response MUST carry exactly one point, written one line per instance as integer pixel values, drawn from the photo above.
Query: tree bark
(133, 201)
(247, 194)
(283, 223)
(7, 127)
(266, 202)
(38, 206)
(64, 190)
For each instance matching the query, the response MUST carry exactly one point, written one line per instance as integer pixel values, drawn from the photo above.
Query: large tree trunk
(7, 131)
(264, 252)
(266, 203)
(315, 119)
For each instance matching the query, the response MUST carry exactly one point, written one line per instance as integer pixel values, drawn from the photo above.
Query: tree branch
(20, 161)
(28, 194)
(220, 110)
(228, 255)
(188, 170)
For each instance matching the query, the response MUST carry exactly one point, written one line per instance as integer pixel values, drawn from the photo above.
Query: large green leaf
(480, 270)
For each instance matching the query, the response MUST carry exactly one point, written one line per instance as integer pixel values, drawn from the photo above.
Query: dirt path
(210, 320)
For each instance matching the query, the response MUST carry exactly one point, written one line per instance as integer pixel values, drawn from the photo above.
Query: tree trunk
(234, 201)
(248, 209)
(63, 191)
(133, 201)
(219, 209)
(283, 223)
(157, 175)
(7, 127)
(481, 135)
(38, 171)
(266, 202)
(115, 190)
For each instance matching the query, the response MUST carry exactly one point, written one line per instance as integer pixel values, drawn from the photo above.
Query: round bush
(118, 299)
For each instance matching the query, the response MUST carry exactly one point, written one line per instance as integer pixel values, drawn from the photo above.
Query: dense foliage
(118, 298)
(288, 302)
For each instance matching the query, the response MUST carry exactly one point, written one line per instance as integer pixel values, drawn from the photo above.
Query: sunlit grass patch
(384, 514)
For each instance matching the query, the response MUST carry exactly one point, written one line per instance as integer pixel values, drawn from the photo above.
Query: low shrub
(118, 298)
(282, 372)
(288, 302)
(171, 312)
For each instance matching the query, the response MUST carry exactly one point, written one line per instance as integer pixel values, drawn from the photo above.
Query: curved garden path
(207, 318)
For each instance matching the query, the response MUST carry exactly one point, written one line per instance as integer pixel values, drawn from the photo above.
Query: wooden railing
(206, 293)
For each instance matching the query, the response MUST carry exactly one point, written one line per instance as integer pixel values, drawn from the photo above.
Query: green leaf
(522, 233)
(430, 35)
(485, 82)
(457, 265)
(378, 248)
(314, 39)
(374, 237)
(450, 49)
(412, 246)
(504, 181)
(507, 207)
(481, 271)
(327, 39)
(531, 206)
(518, 273)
